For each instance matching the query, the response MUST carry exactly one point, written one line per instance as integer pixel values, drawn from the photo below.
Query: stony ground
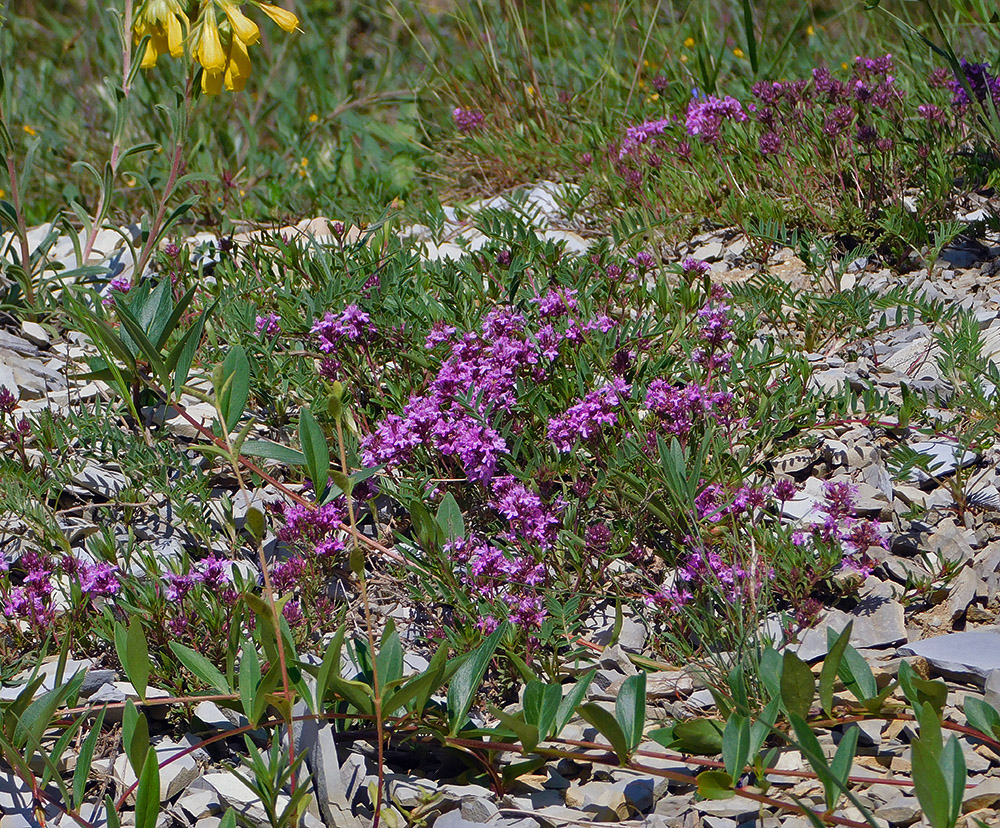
(948, 628)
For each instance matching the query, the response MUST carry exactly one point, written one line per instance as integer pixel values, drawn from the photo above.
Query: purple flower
(716, 325)
(8, 402)
(705, 118)
(352, 324)
(467, 120)
(556, 303)
(99, 579)
(694, 268)
(584, 420)
(980, 81)
(268, 326)
(637, 135)
(526, 514)
(932, 114)
(770, 143)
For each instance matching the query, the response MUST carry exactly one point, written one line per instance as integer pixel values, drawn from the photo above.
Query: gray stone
(985, 795)
(199, 804)
(409, 791)
(951, 542)
(604, 801)
(451, 819)
(962, 592)
(331, 793)
(234, 794)
(903, 810)
(945, 457)
(35, 333)
(964, 656)
(478, 809)
(991, 688)
(177, 770)
(709, 252)
(878, 622)
(101, 481)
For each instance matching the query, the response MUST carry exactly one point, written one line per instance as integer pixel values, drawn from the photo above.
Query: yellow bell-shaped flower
(284, 18)
(243, 27)
(210, 52)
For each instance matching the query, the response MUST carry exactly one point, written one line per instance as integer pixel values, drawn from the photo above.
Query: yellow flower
(284, 18)
(238, 68)
(165, 21)
(843, 65)
(313, 118)
(738, 52)
(654, 97)
(30, 131)
(689, 43)
(531, 91)
(3, 193)
(210, 53)
(684, 58)
(243, 27)
(810, 31)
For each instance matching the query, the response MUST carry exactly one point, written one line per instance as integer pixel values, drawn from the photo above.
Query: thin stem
(22, 231)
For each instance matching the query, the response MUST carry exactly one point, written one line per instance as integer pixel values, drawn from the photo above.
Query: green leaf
(273, 451)
(761, 728)
(569, 703)
(952, 763)
(249, 679)
(85, 758)
(449, 518)
(541, 704)
(527, 734)
(201, 667)
(608, 727)
(770, 671)
(715, 784)
(465, 683)
(701, 737)
(811, 750)
(37, 716)
(736, 744)
(228, 819)
(136, 661)
(930, 728)
(931, 787)
(135, 735)
(831, 665)
(840, 767)
(919, 690)
(630, 709)
(147, 794)
(982, 716)
(389, 659)
(234, 387)
(857, 675)
(419, 688)
(315, 450)
(797, 684)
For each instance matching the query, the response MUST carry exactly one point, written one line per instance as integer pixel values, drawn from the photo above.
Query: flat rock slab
(965, 656)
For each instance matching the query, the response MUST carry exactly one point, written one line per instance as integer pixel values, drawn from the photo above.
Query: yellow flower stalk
(220, 34)
(284, 18)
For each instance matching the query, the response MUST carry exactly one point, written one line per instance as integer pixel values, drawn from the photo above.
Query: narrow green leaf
(273, 451)
(569, 703)
(234, 390)
(736, 744)
(701, 737)
(135, 733)
(527, 734)
(715, 784)
(930, 728)
(315, 451)
(630, 709)
(797, 684)
(201, 667)
(931, 787)
(389, 659)
(249, 678)
(761, 728)
(147, 793)
(465, 683)
(609, 728)
(137, 657)
(952, 763)
(831, 666)
(85, 758)
(541, 704)
(982, 716)
(857, 675)
(449, 518)
(840, 767)
(770, 671)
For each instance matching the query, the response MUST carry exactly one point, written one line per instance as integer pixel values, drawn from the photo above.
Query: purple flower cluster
(213, 573)
(477, 383)
(351, 324)
(268, 326)
(636, 136)
(556, 303)
(980, 80)
(510, 582)
(120, 284)
(679, 407)
(310, 528)
(467, 120)
(528, 518)
(32, 601)
(585, 419)
(705, 118)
